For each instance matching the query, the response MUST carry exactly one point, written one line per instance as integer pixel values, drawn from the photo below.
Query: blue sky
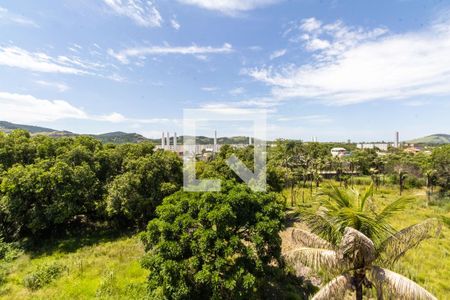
(334, 69)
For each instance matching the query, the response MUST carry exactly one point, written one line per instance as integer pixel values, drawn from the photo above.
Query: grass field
(109, 267)
(104, 270)
(429, 263)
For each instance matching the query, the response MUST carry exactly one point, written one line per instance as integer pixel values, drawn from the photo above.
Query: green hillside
(119, 137)
(8, 126)
(435, 139)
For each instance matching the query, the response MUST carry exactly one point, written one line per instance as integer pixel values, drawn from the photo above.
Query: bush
(215, 245)
(43, 276)
(414, 182)
(8, 251)
(3, 274)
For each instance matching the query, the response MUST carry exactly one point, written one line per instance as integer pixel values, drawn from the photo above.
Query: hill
(117, 137)
(434, 139)
(8, 127)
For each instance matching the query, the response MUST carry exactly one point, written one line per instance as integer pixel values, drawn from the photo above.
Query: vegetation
(72, 208)
(434, 139)
(354, 259)
(213, 245)
(356, 239)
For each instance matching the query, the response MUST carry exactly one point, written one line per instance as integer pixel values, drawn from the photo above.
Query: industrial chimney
(162, 140)
(175, 141)
(397, 140)
(215, 142)
(168, 140)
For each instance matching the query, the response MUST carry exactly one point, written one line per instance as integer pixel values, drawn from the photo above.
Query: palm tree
(338, 209)
(356, 261)
(356, 240)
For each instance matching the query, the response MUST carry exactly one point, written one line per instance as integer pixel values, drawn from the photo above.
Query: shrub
(8, 251)
(414, 182)
(215, 245)
(43, 276)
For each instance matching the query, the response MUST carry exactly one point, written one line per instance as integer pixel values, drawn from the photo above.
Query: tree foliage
(47, 184)
(215, 245)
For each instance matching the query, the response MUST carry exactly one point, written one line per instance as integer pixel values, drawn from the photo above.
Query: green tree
(133, 196)
(356, 235)
(441, 163)
(37, 198)
(215, 245)
(356, 261)
(338, 208)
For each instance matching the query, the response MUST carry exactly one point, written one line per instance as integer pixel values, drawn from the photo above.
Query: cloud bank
(353, 65)
(230, 7)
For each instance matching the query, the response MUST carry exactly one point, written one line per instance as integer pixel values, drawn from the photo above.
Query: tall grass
(107, 270)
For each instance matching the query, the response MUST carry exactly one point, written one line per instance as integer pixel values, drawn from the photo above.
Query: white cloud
(60, 86)
(255, 48)
(237, 91)
(209, 88)
(278, 53)
(124, 55)
(38, 61)
(175, 24)
(228, 109)
(26, 108)
(142, 12)
(230, 7)
(9, 17)
(16, 57)
(310, 119)
(253, 103)
(310, 24)
(354, 65)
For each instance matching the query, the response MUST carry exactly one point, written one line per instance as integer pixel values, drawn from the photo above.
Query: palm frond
(398, 286)
(321, 222)
(356, 248)
(398, 244)
(367, 194)
(315, 258)
(335, 289)
(338, 196)
(393, 208)
(307, 239)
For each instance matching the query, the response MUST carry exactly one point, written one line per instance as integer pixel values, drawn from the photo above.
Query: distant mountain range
(117, 137)
(111, 137)
(434, 139)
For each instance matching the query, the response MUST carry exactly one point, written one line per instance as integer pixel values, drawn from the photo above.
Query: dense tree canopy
(48, 183)
(213, 245)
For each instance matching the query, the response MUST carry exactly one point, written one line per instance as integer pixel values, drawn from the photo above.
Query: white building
(338, 152)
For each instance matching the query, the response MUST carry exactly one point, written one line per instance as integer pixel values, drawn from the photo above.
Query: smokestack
(215, 141)
(397, 139)
(162, 140)
(175, 141)
(168, 140)
(249, 140)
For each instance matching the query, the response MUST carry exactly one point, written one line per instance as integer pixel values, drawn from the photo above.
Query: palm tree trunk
(359, 293)
(379, 292)
(292, 194)
(359, 279)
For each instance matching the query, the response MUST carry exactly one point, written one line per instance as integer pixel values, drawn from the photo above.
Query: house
(338, 152)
